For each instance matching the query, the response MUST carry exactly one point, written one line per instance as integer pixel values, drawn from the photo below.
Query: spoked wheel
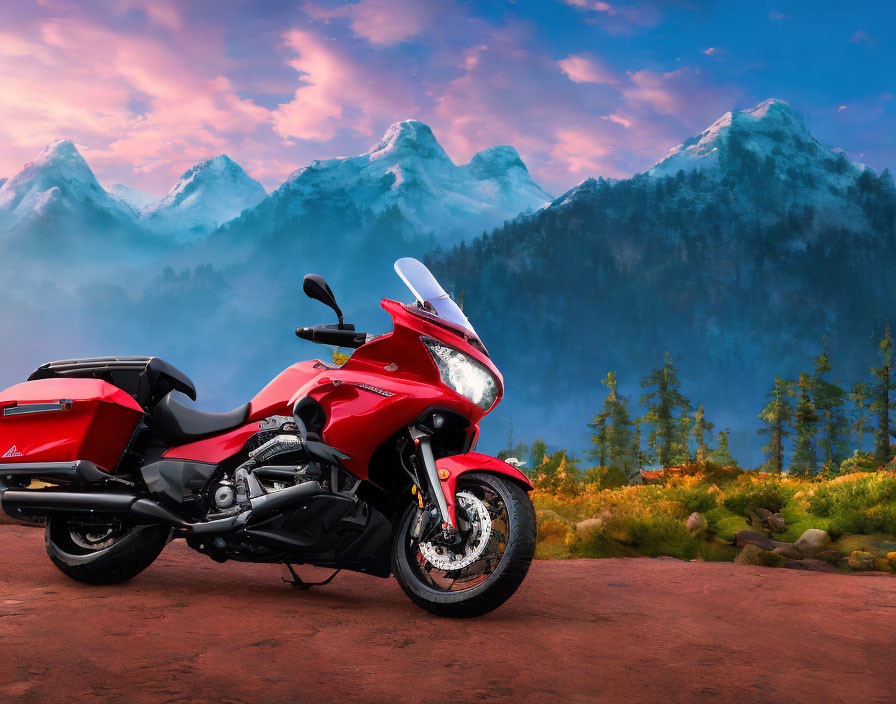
(102, 549)
(496, 523)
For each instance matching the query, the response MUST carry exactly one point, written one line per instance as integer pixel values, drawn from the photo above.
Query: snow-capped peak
(410, 170)
(406, 138)
(207, 195)
(58, 177)
(771, 127)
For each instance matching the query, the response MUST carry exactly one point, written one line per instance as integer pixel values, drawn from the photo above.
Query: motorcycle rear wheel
(105, 554)
(499, 566)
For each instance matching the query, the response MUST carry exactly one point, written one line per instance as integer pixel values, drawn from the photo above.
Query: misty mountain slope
(208, 194)
(733, 267)
(137, 200)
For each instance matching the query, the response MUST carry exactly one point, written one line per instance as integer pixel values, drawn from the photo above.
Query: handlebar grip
(305, 333)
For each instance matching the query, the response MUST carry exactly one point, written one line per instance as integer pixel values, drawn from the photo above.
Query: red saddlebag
(61, 420)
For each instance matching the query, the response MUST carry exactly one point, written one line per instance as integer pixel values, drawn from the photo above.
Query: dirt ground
(626, 630)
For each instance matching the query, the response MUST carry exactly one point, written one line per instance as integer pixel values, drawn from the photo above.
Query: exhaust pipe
(22, 503)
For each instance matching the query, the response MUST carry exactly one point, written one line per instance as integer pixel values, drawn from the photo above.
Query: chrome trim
(28, 408)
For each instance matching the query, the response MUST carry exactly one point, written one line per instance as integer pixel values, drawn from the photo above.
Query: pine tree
(805, 421)
(859, 395)
(882, 398)
(828, 399)
(702, 434)
(599, 439)
(777, 416)
(614, 431)
(665, 406)
(723, 455)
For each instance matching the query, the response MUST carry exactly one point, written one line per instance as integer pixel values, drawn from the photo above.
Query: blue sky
(580, 87)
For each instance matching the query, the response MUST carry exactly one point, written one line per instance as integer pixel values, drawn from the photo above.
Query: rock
(751, 537)
(831, 556)
(860, 560)
(891, 558)
(813, 541)
(776, 523)
(588, 527)
(789, 550)
(754, 555)
(546, 514)
(696, 522)
(811, 566)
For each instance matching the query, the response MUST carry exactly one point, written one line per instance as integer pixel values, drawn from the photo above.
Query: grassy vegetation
(589, 520)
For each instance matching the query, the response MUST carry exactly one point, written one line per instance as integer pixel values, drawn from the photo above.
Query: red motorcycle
(365, 466)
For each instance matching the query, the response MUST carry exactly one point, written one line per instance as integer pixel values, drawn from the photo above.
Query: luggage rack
(147, 379)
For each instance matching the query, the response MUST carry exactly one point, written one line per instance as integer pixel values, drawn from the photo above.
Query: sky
(580, 87)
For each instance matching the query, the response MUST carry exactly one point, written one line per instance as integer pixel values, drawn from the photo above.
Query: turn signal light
(444, 474)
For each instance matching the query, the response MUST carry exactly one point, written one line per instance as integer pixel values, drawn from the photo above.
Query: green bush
(695, 498)
(861, 506)
(769, 494)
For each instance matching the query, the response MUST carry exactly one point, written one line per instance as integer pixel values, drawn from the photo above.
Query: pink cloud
(338, 92)
(380, 21)
(581, 151)
(620, 18)
(584, 68)
(709, 51)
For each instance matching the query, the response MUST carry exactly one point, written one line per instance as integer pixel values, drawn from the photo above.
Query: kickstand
(299, 584)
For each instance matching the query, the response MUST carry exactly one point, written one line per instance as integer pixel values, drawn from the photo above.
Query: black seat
(176, 424)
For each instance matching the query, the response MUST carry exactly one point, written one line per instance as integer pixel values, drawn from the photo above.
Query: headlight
(464, 375)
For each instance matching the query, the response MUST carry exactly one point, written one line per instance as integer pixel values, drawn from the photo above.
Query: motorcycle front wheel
(496, 521)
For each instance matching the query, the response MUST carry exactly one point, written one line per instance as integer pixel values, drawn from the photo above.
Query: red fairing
(97, 426)
(387, 384)
(474, 462)
(384, 386)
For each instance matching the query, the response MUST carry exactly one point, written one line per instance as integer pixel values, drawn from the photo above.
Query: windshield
(430, 294)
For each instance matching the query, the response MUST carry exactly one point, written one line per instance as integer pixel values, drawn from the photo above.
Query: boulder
(789, 550)
(696, 522)
(754, 555)
(860, 560)
(751, 537)
(776, 523)
(588, 527)
(891, 558)
(813, 541)
(831, 556)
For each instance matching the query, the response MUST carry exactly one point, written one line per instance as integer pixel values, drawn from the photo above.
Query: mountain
(138, 200)
(208, 194)
(57, 184)
(410, 172)
(737, 253)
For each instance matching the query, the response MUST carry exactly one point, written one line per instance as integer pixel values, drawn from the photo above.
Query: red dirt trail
(191, 630)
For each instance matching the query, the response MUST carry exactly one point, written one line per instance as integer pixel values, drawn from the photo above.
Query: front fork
(423, 444)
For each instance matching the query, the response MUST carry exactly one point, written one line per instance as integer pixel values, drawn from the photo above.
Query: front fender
(474, 462)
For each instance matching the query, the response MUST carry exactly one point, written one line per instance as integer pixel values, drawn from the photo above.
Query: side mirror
(315, 287)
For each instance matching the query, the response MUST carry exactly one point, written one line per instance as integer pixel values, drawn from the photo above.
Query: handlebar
(333, 335)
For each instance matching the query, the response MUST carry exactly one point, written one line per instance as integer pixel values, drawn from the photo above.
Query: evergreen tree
(702, 434)
(723, 455)
(539, 453)
(882, 398)
(828, 399)
(665, 406)
(805, 421)
(599, 439)
(777, 416)
(859, 395)
(614, 431)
